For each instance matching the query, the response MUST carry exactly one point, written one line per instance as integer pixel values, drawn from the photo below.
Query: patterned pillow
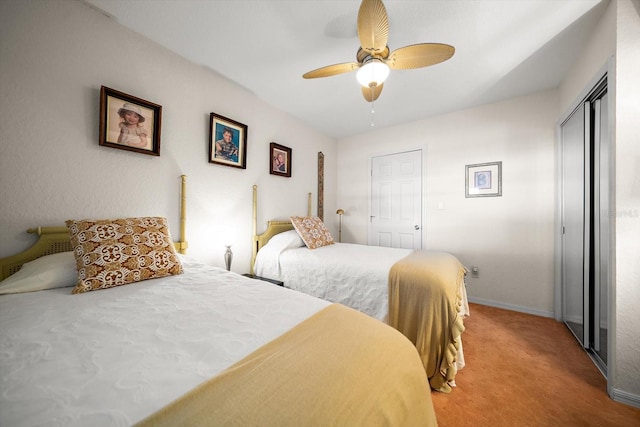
(312, 231)
(116, 252)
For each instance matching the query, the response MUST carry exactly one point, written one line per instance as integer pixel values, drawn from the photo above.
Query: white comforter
(353, 275)
(112, 357)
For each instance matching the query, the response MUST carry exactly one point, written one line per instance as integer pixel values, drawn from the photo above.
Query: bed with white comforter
(361, 277)
(353, 275)
(349, 274)
(132, 349)
(205, 347)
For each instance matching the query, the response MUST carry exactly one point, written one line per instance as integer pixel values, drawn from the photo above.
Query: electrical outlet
(475, 271)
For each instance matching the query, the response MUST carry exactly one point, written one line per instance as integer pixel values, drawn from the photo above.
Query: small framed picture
(227, 142)
(129, 123)
(483, 180)
(279, 160)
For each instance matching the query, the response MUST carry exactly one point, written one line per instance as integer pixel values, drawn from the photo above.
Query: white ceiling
(504, 48)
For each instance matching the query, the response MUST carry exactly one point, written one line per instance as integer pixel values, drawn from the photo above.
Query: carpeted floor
(525, 370)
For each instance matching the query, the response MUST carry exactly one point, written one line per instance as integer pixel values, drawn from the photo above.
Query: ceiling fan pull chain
(372, 109)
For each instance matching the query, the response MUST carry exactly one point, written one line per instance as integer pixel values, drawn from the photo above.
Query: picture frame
(129, 123)
(279, 160)
(227, 142)
(483, 180)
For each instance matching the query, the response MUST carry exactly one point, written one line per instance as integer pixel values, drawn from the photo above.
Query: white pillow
(287, 240)
(47, 272)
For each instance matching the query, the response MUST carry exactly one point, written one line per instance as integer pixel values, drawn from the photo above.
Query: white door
(396, 201)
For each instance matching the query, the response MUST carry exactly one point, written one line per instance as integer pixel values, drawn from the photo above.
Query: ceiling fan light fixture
(372, 73)
(373, 58)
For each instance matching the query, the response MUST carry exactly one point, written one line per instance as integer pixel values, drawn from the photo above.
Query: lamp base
(228, 257)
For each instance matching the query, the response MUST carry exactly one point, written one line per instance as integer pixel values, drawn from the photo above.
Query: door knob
(417, 227)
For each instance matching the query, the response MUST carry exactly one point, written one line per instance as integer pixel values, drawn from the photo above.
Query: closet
(586, 220)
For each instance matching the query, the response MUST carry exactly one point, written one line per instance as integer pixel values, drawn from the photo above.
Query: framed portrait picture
(129, 123)
(279, 160)
(483, 180)
(227, 142)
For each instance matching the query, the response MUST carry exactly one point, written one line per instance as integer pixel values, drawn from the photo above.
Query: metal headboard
(52, 240)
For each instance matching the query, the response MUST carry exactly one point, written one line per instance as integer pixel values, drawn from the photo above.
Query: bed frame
(52, 240)
(273, 228)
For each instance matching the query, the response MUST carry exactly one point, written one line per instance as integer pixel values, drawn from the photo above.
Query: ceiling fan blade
(331, 70)
(372, 93)
(373, 26)
(419, 55)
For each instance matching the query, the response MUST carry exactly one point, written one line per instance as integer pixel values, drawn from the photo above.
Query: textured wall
(627, 291)
(55, 55)
(510, 237)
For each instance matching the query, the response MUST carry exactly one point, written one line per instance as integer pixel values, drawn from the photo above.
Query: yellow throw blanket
(424, 301)
(337, 368)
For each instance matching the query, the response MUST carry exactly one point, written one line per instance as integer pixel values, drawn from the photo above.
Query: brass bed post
(273, 227)
(182, 247)
(254, 229)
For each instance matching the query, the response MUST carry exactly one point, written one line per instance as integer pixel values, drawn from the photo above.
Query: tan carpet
(525, 370)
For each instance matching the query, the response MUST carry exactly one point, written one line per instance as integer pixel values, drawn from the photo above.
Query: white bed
(83, 345)
(130, 350)
(420, 293)
(353, 275)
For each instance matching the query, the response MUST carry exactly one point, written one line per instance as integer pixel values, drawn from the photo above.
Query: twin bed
(196, 345)
(420, 293)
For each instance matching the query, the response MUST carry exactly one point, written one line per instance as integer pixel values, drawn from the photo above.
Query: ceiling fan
(373, 57)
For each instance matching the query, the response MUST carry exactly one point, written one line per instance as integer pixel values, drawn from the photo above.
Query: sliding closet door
(586, 184)
(601, 227)
(573, 221)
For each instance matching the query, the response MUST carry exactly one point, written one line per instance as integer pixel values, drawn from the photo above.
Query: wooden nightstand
(275, 282)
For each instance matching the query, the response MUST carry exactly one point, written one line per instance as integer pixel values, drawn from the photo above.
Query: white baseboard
(574, 319)
(511, 307)
(626, 398)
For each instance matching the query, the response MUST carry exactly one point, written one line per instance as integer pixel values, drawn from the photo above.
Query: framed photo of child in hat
(129, 123)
